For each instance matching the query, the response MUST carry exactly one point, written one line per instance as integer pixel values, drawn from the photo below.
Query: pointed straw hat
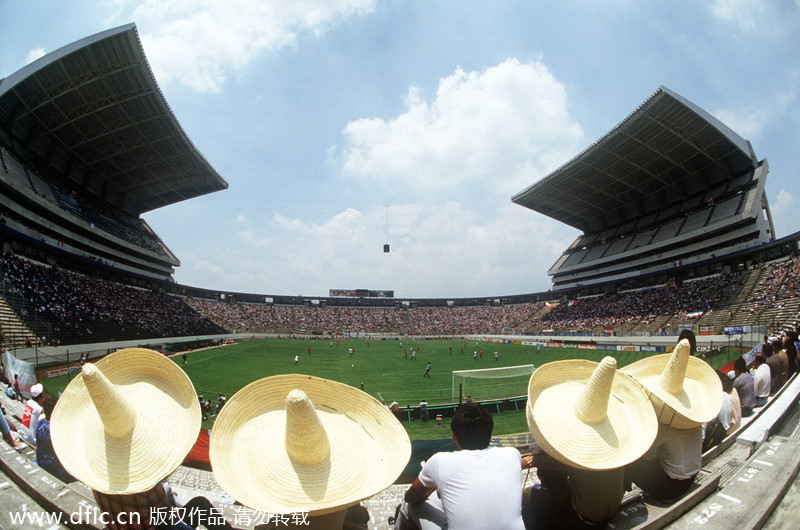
(588, 415)
(685, 391)
(127, 422)
(295, 443)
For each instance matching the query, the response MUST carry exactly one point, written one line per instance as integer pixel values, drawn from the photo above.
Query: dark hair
(48, 405)
(740, 365)
(727, 382)
(766, 349)
(777, 345)
(689, 334)
(472, 425)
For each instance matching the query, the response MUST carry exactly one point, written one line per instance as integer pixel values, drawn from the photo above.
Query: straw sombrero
(124, 424)
(685, 391)
(589, 415)
(292, 443)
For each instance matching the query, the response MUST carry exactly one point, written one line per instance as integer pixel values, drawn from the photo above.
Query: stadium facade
(87, 144)
(669, 186)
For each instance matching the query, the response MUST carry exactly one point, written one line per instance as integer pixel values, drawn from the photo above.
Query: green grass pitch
(381, 367)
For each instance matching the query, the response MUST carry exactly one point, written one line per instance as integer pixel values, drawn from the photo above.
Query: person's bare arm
(527, 461)
(417, 492)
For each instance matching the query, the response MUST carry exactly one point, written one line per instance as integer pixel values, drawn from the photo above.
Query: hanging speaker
(386, 248)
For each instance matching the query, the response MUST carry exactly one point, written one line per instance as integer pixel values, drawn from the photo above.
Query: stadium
(676, 234)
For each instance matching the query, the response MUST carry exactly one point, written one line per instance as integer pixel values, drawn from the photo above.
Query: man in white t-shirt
(762, 380)
(476, 487)
(670, 470)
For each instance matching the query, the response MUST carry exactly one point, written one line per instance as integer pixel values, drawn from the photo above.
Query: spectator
(762, 382)
(17, 392)
(221, 402)
(574, 407)
(774, 363)
(45, 455)
(777, 349)
(31, 414)
(670, 469)
(131, 479)
(684, 399)
(735, 403)
(475, 487)
(789, 339)
(715, 430)
(689, 335)
(5, 429)
(685, 390)
(743, 383)
(275, 448)
(394, 408)
(423, 410)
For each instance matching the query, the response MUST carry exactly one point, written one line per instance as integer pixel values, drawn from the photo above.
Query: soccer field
(380, 367)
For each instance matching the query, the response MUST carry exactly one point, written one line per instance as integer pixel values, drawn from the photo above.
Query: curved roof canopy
(667, 150)
(92, 111)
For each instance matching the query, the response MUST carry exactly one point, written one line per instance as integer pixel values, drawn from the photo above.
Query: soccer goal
(492, 382)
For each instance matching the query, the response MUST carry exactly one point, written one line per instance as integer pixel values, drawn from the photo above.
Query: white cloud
(34, 54)
(505, 126)
(752, 16)
(784, 213)
(747, 123)
(198, 43)
(463, 153)
(750, 120)
(242, 220)
(437, 249)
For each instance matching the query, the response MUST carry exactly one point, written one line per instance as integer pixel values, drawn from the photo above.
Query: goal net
(489, 383)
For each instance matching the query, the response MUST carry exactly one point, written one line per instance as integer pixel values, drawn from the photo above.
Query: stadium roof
(665, 151)
(93, 111)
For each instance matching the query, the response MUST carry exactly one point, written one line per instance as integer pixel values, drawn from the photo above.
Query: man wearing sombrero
(308, 447)
(589, 421)
(108, 431)
(685, 393)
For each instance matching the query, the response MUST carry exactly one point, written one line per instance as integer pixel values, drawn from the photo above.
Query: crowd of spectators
(641, 305)
(247, 317)
(415, 320)
(86, 308)
(779, 282)
(461, 320)
(81, 308)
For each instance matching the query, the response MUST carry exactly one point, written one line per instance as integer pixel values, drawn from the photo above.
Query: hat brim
(369, 448)
(699, 402)
(167, 418)
(624, 435)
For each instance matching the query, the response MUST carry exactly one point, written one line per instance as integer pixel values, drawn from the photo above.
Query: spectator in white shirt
(762, 380)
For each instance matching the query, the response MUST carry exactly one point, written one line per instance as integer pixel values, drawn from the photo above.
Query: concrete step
(19, 511)
(748, 499)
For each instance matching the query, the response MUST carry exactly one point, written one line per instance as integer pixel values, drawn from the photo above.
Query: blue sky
(342, 125)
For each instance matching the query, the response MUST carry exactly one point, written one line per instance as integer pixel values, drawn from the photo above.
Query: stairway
(13, 329)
